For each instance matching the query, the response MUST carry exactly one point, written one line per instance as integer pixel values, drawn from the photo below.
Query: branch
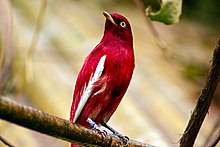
(6, 41)
(6, 142)
(213, 131)
(204, 101)
(157, 37)
(57, 127)
(214, 141)
(34, 41)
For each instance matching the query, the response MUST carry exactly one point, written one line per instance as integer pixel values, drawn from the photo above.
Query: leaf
(169, 13)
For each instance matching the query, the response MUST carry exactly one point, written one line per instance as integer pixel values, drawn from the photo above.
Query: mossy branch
(54, 126)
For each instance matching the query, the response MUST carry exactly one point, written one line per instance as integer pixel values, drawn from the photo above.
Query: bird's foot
(125, 139)
(100, 131)
(96, 128)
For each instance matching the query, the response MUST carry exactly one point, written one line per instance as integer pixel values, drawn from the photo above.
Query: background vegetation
(41, 57)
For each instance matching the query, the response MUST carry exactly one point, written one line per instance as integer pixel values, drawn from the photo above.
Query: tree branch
(57, 127)
(157, 37)
(6, 142)
(204, 101)
(212, 132)
(215, 139)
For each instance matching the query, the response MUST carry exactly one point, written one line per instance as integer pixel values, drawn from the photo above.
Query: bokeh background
(41, 56)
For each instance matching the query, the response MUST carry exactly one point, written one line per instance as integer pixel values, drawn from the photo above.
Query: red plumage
(104, 93)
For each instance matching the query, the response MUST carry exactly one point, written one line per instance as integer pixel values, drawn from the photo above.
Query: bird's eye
(123, 24)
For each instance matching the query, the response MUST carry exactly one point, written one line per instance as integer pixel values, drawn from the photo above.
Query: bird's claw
(96, 128)
(125, 139)
(100, 131)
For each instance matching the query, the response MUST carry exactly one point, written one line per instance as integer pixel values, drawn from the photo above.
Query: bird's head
(117, 27)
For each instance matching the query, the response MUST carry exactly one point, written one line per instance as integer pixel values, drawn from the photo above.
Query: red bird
(104, 76)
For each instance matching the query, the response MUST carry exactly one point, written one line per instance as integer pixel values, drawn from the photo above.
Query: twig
(6, 41)
(204, 101)
(34, 41)
(159, 40)
(214, 141)
(6, 142)
(57, 127)
(213, 131)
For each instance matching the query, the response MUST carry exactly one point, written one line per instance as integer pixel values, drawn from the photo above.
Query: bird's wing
(89, 87)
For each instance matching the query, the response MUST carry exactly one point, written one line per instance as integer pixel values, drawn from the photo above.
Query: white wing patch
(88, 90)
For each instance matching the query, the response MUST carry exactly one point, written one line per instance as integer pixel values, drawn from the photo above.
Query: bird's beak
(109, 17)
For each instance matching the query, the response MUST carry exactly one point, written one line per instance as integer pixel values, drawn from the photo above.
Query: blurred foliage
(6, 48)
(154, 4)
(203, 11)
(169, 12)
(195, 72)
(207, 14)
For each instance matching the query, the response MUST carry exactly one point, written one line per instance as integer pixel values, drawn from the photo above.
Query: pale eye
(123, 24)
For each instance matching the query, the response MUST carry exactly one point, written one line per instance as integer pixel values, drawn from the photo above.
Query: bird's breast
(119, 69)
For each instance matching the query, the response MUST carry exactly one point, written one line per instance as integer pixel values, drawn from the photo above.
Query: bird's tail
(75, 145)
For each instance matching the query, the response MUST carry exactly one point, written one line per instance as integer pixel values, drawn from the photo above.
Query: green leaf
(169, 12)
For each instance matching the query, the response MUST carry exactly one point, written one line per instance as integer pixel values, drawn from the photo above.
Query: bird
(105, 76)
